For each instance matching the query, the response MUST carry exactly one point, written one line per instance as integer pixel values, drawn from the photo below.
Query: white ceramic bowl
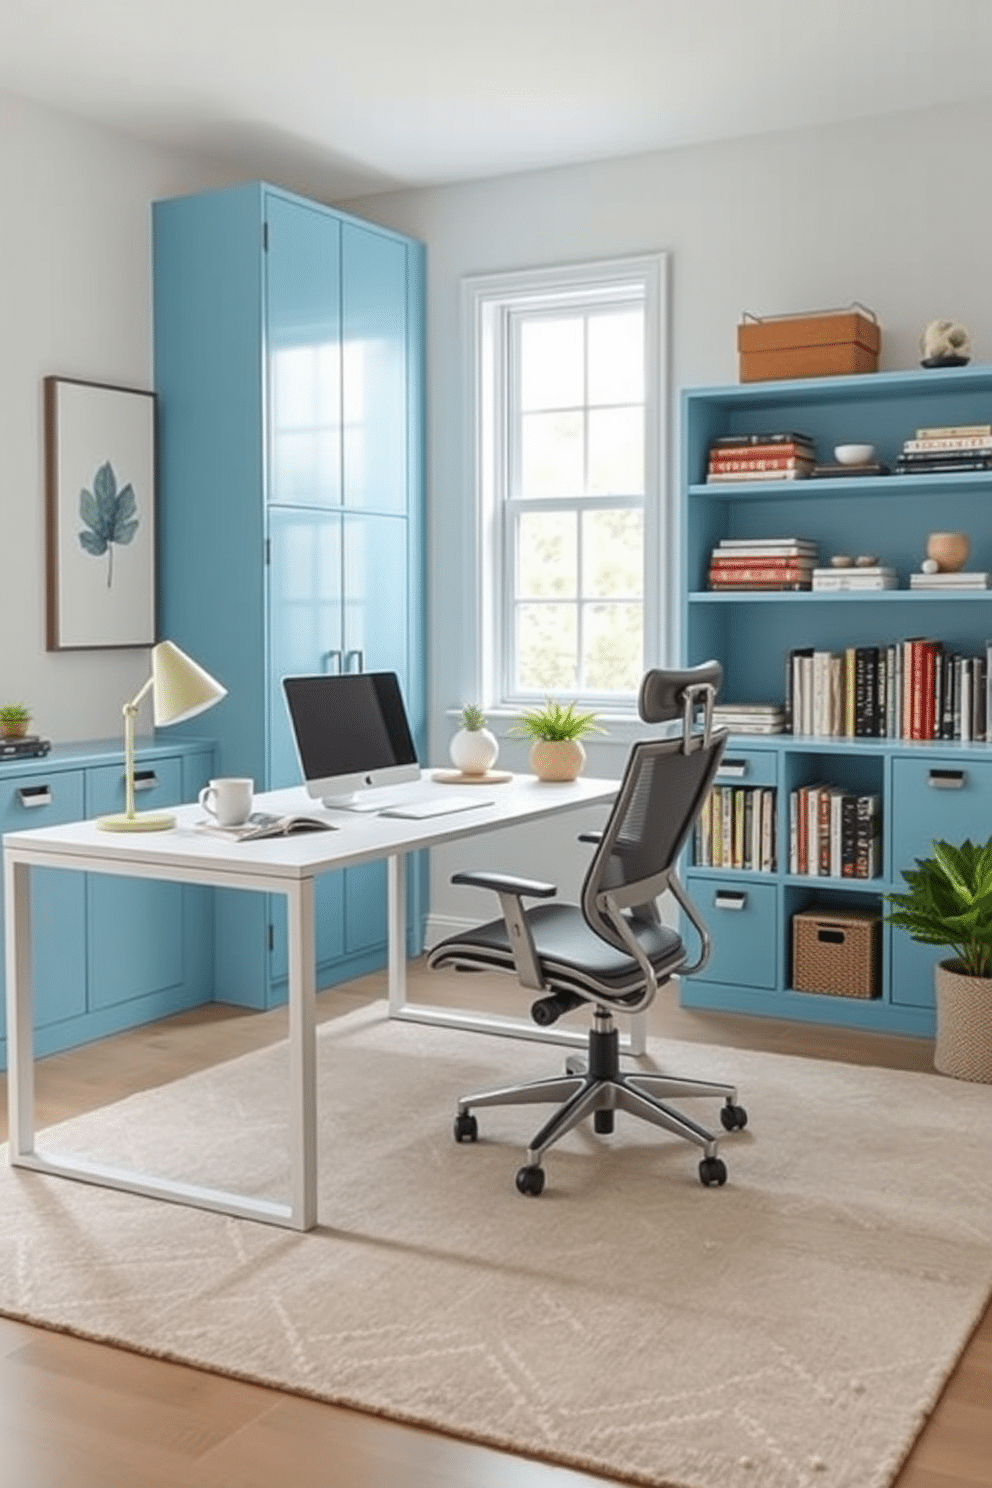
(854, 454)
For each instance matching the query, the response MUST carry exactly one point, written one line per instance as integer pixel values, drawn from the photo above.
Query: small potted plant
(14, 720)
(948, 902)
(473, 749)
(556, 730)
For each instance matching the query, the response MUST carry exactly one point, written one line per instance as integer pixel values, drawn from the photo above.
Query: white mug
(228, 799)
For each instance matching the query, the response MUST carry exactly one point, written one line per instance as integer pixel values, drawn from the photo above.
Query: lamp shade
(180, 687)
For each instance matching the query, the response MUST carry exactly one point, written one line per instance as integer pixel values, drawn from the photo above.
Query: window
(567, 464)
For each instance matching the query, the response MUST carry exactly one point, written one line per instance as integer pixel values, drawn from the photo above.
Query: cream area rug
(790, 1330)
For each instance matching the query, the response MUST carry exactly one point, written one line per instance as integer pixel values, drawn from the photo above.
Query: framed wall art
(100, 491)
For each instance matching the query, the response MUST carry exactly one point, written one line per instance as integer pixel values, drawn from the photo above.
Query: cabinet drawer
(747, 767)
(157, 783)
(741, 919)
(40, 798)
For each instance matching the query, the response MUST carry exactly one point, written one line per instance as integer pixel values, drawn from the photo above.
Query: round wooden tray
(458, 777)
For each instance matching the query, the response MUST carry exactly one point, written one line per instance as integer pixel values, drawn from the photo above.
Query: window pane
(551, 454)
(546, 647)
(551, 355)
(616, 357)
(613, 555)
(612, 656)
(547, 558)
(616, 452)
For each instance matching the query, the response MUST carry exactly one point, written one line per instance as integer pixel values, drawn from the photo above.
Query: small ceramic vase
(948, 549)
(557, 759)
(474, 751)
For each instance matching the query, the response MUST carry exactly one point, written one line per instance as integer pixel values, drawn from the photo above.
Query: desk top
(360, 837)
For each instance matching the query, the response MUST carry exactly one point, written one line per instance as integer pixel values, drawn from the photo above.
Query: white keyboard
(439, 806)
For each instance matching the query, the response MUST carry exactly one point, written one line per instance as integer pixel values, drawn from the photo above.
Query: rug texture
(790, 1330)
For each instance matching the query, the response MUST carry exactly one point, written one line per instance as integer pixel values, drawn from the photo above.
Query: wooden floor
(82, 1415)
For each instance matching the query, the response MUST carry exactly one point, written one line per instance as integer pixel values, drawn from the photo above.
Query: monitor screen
(351, 733)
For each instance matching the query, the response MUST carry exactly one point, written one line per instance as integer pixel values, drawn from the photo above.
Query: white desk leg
(396, 932)
(20, 1030)
(302, 1055)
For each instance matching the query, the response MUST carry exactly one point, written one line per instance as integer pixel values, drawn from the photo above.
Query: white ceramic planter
(474, 751)
(964, 1025)
(557, 759)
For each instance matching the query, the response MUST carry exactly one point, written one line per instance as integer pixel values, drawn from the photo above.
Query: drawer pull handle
(947, 779)
(729, 899)
(738, 768)
(35, 795)
(334, 656)
(831, 937)
(145, 780)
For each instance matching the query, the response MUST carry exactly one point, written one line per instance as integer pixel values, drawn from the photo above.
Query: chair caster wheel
(466, 1127)
(733, 1118)
(713, 1170)
(530, 1181)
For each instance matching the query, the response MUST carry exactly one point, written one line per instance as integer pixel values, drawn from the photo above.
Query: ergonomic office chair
(611, 949)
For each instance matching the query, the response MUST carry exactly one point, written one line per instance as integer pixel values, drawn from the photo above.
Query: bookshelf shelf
(752, 632)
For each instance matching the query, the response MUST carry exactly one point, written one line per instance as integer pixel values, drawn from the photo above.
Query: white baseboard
(440, 926)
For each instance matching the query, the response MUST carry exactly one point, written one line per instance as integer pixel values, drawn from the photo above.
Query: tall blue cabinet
(289, 373)
(926, 788)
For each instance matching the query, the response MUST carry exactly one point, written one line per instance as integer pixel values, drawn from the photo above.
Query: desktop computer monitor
(352, 735)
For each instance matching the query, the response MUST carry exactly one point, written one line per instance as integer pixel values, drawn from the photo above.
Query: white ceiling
(367, 95)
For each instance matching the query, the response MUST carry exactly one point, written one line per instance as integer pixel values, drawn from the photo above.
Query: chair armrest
(505, 883)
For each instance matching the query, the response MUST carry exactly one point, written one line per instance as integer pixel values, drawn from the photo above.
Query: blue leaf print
(110, 514)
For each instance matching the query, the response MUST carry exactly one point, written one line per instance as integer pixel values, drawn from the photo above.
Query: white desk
(287, 865)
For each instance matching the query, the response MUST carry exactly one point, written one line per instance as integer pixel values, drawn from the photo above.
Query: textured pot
(473, 751)
(964, 1024)
(557, 759)
(15, 728)
(948, 549)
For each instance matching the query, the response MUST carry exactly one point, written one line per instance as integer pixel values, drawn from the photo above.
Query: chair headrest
(662, 694)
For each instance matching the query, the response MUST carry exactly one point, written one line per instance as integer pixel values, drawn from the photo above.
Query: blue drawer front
(741, 918)
(747, 767)
(932, 798)
(58, 900)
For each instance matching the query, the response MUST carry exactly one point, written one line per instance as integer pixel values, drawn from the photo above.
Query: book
(785, 436)
(766, 550)
(788, 459)
(837, 472)
(941, 465)
(955, 431)
(757, 558)
(867, 836)
(976, 580)
(948, 442)
(770, 584)
(800, 472)
(805, 543)
(266, 824)
(773, 569)
(843, 580)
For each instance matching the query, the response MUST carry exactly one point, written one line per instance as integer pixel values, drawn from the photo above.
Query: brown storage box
(824, 343)
(836, 952)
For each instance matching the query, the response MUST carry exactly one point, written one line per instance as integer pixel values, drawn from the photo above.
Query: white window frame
(488, 303)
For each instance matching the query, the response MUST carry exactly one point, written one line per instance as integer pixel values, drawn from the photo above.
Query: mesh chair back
(664, 786)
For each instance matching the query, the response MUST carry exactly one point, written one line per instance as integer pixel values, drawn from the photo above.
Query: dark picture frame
(100, 511)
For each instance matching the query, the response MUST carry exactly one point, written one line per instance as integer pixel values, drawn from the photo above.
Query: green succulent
(473, 718)
(555, 721)
(948, 902)
(15, 713)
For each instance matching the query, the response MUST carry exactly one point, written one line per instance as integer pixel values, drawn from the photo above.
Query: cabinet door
(932, 798)
(39, 798)
(374, 369)
(136, 925)
(303, 335)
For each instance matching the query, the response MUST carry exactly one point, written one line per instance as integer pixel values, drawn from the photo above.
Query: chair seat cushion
(569, 952)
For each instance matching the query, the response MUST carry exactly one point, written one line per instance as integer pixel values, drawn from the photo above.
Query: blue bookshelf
(926, 788)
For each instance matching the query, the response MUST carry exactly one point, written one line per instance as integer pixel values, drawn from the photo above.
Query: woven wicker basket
(836, 952)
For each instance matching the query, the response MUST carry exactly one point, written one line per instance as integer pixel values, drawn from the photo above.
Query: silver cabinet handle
(729, 899)
(330, 655)
(145, 780)
(947, 779)
(738, 768)
(361, 660)
(35, 795)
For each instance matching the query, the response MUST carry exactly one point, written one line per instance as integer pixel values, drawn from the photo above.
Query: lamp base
(142, 821)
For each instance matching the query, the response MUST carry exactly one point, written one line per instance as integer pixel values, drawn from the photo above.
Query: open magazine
(266, 824)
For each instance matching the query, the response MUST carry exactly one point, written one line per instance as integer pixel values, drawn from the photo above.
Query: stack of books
(737, 829)
(834, 832)
(785, 455)
(842, 472)
(947, 448)
(750, 718)
(950, 581)
(843, 580)
(762, 563)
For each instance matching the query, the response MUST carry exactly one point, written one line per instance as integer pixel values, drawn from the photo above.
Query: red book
(727, 463)
(761, 451)
(928, 688)
(733, 561)
(759, 574)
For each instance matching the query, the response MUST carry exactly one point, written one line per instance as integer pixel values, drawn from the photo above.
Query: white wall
(890, 212)
(75, 301)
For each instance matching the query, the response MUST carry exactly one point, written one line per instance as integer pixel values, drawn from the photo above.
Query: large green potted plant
(555, 731)
(948, 902)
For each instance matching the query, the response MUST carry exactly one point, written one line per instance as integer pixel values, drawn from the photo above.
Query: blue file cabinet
(927, 788)
(108, 952)
(289, 375)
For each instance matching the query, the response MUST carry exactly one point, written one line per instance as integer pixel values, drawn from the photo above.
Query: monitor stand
(367, 801)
